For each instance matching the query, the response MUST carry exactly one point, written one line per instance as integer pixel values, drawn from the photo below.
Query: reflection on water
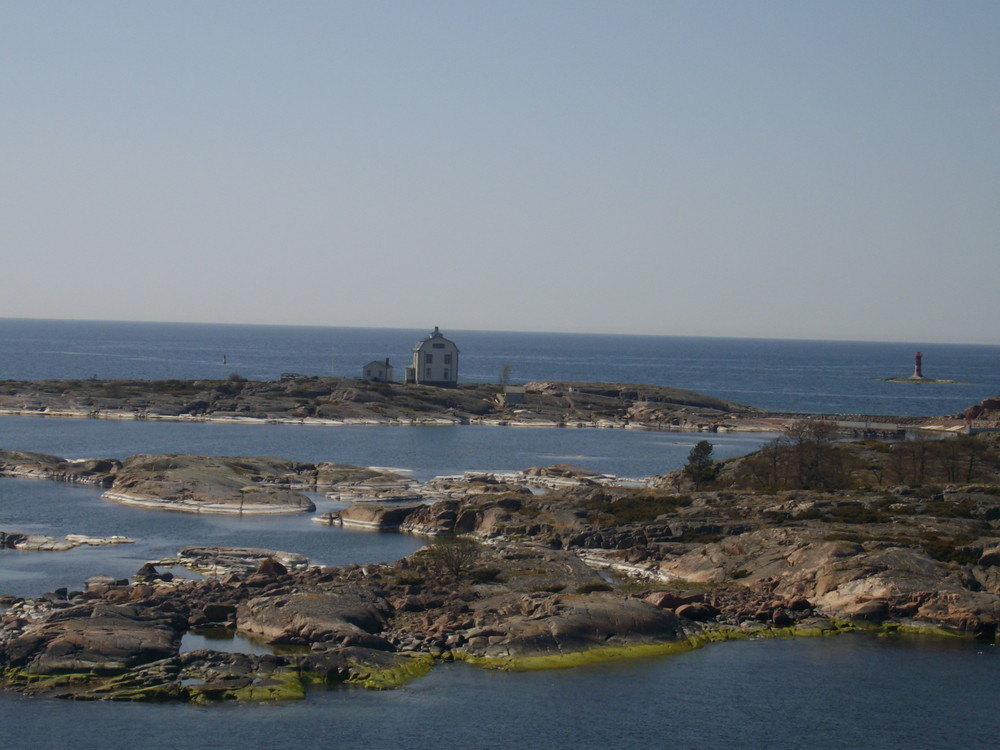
(843, 692)
(424, 451)
(57, 509)
(223, 639)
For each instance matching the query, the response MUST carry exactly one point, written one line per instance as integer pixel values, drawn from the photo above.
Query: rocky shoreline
(342, 401)
(200, 484)
(546, 567)
(809, 536)
(517, 608)
(332, 402)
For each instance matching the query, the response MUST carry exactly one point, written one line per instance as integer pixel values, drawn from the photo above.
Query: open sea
(845, 692)
(839, 377)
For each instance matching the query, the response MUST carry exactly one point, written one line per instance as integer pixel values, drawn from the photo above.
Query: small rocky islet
(808, 536)
(329, 400)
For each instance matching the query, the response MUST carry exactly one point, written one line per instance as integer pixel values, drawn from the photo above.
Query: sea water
(844, 692)
(803, 376)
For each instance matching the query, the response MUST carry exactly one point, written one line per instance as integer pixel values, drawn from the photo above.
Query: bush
(701, 537)
(454, 555)
(589, 588)
(856, 514)
(944, 550)
(484, 575)
(409, 578)
(635, 508)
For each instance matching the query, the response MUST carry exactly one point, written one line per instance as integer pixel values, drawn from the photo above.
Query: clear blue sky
(778, 169)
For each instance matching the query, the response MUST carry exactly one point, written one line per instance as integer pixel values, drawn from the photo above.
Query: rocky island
(199, 484)
(339, 401)
(318, 400)
(808, 536)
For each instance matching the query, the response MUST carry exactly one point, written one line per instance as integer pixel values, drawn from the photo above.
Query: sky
(817, 170)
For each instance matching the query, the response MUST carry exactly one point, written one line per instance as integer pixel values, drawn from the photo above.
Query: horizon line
(502, 330)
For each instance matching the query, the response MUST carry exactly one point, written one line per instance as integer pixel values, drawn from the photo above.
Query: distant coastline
(823, 377)
(342, 401)
(314, 401)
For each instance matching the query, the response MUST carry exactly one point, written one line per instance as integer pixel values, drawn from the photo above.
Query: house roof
(435, 335)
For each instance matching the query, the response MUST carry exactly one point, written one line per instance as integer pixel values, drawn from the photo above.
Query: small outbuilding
(378, 371)
(435, 362)
(512, 395)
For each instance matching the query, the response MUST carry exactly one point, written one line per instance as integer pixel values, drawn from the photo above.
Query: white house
(435, 361)
(378, 371)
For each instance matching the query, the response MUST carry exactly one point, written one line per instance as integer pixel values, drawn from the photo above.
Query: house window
(438, 346)
(429, 358)
(427, 373)
(447, 359)
(447, 374)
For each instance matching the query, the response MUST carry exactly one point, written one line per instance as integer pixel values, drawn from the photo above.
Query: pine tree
(700, 467)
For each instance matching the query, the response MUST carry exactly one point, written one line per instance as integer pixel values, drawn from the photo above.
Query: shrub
(634, 508)
(409, 578)
(856, 514)
(453, 554)
(944, 550)
(701, 537)
(484, 575)
(589, 588)
(946, 509)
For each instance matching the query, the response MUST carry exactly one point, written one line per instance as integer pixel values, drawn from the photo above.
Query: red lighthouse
(917, 371)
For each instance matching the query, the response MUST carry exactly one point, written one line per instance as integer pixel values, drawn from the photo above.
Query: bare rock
(379, 517)
(697, 612)
(350, 616)
(99, 638)
(221, 561)
(527, 625)
(671, 600)
(205, 484)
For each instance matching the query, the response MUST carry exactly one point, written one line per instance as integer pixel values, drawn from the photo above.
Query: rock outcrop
(518, 580)
(342, 400)
(99, 471)
(214, 560)
(349, 616)
(41, 543)
(202, 484)
(376, 626)
(97, 639)
(205, 484)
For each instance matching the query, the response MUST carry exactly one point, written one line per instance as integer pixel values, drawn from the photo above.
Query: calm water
(812, 376)
(422, 452)
(846, 692)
